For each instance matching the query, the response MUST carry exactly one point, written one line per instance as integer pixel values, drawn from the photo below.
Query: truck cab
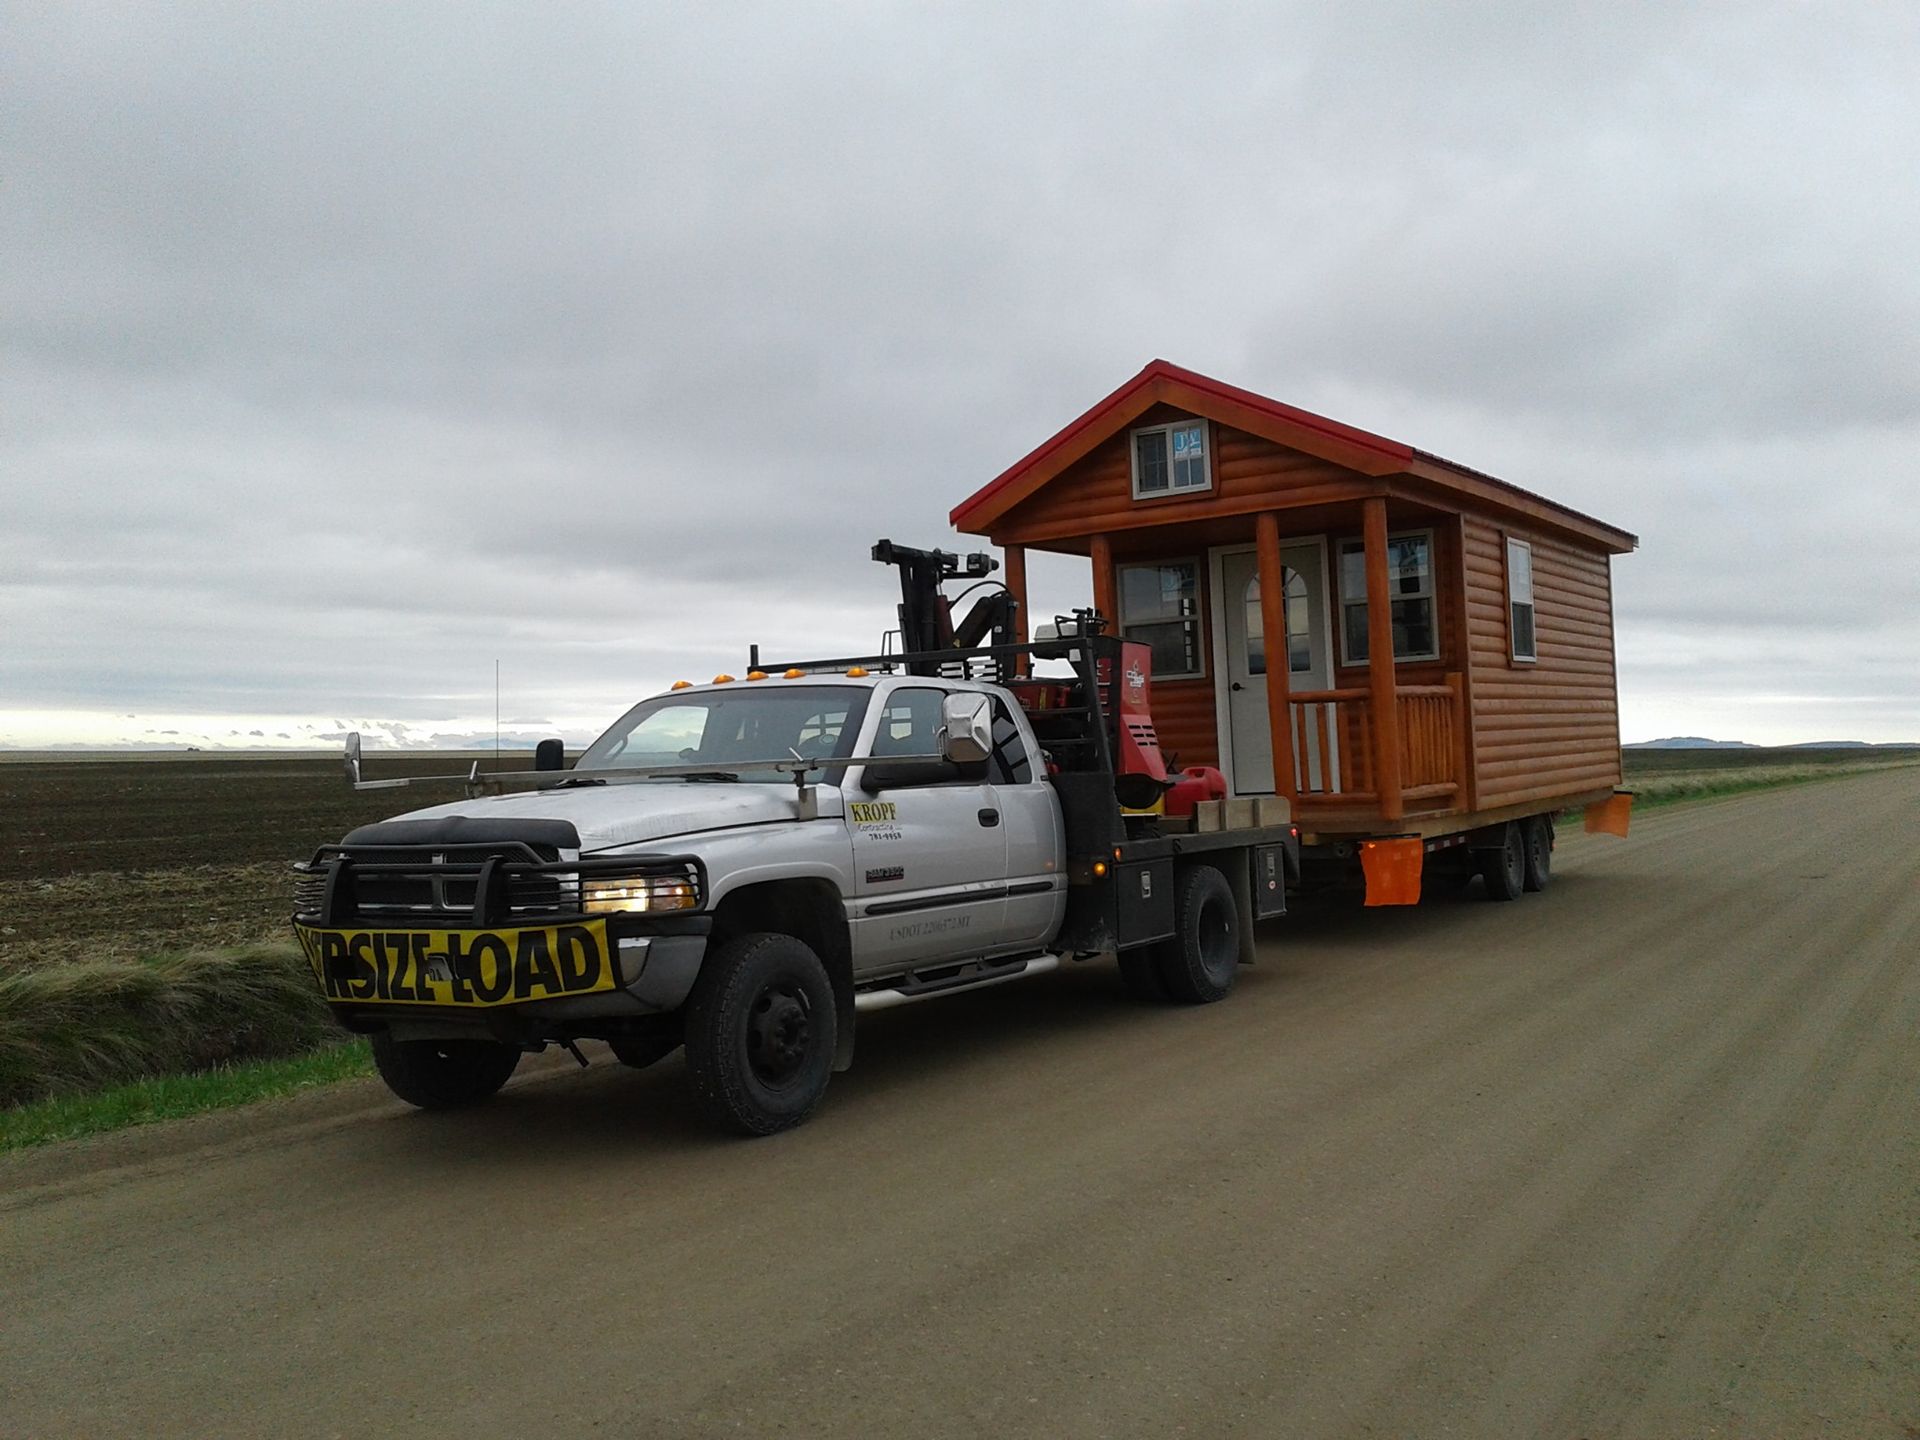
(739, 866)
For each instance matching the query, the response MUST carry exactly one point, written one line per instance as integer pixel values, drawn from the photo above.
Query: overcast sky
(348, 349)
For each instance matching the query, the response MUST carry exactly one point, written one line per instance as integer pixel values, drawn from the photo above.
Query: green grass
(173, 1097)
(85, 1025)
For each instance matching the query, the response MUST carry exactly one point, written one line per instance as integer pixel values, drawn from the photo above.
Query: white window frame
(1195, 619)
(1514, 602)
(1206, 458)
(1429, 595)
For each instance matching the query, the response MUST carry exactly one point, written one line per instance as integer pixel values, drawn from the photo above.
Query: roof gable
(1163, 383)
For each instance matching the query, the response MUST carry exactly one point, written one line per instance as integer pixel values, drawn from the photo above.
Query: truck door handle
(1238, 686)
(989, 818)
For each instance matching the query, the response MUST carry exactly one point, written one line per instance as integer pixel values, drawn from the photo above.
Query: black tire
(1539, 851)
(1140, 974)
(443, 1074)
(1505, 869)
(760, 1034)
(1198, 965)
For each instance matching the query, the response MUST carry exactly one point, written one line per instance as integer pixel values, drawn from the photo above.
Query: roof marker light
(794, 674)
(756, 674)
(723, 679)
(680, 685)
(856, 672)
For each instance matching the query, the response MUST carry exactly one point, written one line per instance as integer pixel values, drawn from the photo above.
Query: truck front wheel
(443, 1074)
(760, 1034)
(1198, 965)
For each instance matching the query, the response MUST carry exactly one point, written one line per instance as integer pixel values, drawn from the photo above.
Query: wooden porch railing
(1333, 760)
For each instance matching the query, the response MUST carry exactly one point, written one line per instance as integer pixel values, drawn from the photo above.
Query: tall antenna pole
(496, 712)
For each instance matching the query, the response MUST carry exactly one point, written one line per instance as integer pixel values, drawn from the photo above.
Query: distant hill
(1700, 742)
(1690, 742)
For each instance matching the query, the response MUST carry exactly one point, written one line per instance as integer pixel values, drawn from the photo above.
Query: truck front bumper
(558, 974)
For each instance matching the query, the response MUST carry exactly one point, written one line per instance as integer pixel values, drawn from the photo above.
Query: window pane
(1150, 461)
(1189, 457)
(1412, 628)
(1299, 641)
(1353, 572)
(1523, 641)
(1256, 630)
(1175, 644)
(908, 724)
(1408, 572)
(1158, 592)
(1356, 623)
(1519, 572)
(1010, 763)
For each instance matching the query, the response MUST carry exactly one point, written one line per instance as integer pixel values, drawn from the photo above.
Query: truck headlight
(629, 894)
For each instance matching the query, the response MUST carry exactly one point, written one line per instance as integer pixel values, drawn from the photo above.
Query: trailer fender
(1240, 881)
(1392, 869)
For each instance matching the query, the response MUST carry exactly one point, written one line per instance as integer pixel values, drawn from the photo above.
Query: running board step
(977, 979)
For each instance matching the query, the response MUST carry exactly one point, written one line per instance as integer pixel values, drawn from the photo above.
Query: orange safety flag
(1609, 816)
(1392, 868)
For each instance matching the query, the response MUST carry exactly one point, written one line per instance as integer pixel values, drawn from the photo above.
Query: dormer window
(1169, 459)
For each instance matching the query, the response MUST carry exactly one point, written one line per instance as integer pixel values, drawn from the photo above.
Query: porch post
(1106, 585)
(1380, 676)
(1273, 623)
(1016, 565)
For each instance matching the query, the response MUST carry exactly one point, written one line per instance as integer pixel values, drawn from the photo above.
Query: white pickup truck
(739, 867)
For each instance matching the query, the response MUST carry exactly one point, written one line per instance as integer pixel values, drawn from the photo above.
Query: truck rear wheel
(1539, 866)
(760, 1034)
(1198, 965)
(443, 1074)
(1505, 869)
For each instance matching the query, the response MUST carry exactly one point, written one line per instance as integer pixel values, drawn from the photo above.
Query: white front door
(1248, 650)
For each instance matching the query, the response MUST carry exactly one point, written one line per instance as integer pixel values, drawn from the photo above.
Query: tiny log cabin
(1399, 644)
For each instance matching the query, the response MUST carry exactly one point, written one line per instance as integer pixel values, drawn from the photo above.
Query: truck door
(929, 852)
(1036, 839)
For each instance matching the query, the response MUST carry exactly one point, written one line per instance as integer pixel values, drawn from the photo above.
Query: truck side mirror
(966, 728)
(353, 758)
(550, 755)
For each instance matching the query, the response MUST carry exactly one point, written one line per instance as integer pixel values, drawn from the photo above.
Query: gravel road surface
(1636, 1157)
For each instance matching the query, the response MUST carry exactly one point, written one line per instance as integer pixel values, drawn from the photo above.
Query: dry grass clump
(77, 1026)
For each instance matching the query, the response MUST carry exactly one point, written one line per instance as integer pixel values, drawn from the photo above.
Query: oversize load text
(460, 967)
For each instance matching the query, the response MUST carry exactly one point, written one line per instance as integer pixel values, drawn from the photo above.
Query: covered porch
(1324, 716)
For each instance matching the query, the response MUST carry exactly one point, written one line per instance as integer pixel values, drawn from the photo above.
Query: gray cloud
(352, 349)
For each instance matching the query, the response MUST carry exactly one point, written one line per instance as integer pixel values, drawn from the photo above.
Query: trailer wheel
(760, 1034)
(1505, 869)
(1198, 965)
(443, 1074)
(1539, 867)
(1140, 975)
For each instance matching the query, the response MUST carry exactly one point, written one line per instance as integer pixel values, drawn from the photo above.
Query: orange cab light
(680, 684)
(1099, 868)
(856, 672)
(1116, 852)
(723, 679)
(794, 674)
(756, 674)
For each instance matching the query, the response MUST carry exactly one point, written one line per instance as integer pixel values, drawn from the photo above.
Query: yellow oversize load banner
(460, 967)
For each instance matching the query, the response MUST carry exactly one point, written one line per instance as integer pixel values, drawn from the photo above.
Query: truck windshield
(729, 728)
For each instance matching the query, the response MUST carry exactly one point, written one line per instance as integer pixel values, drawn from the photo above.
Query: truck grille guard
(473, 885)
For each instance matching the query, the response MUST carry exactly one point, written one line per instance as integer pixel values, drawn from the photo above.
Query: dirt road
(1637, 1157)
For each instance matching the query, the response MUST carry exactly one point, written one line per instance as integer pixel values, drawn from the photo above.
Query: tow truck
(744, 867)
